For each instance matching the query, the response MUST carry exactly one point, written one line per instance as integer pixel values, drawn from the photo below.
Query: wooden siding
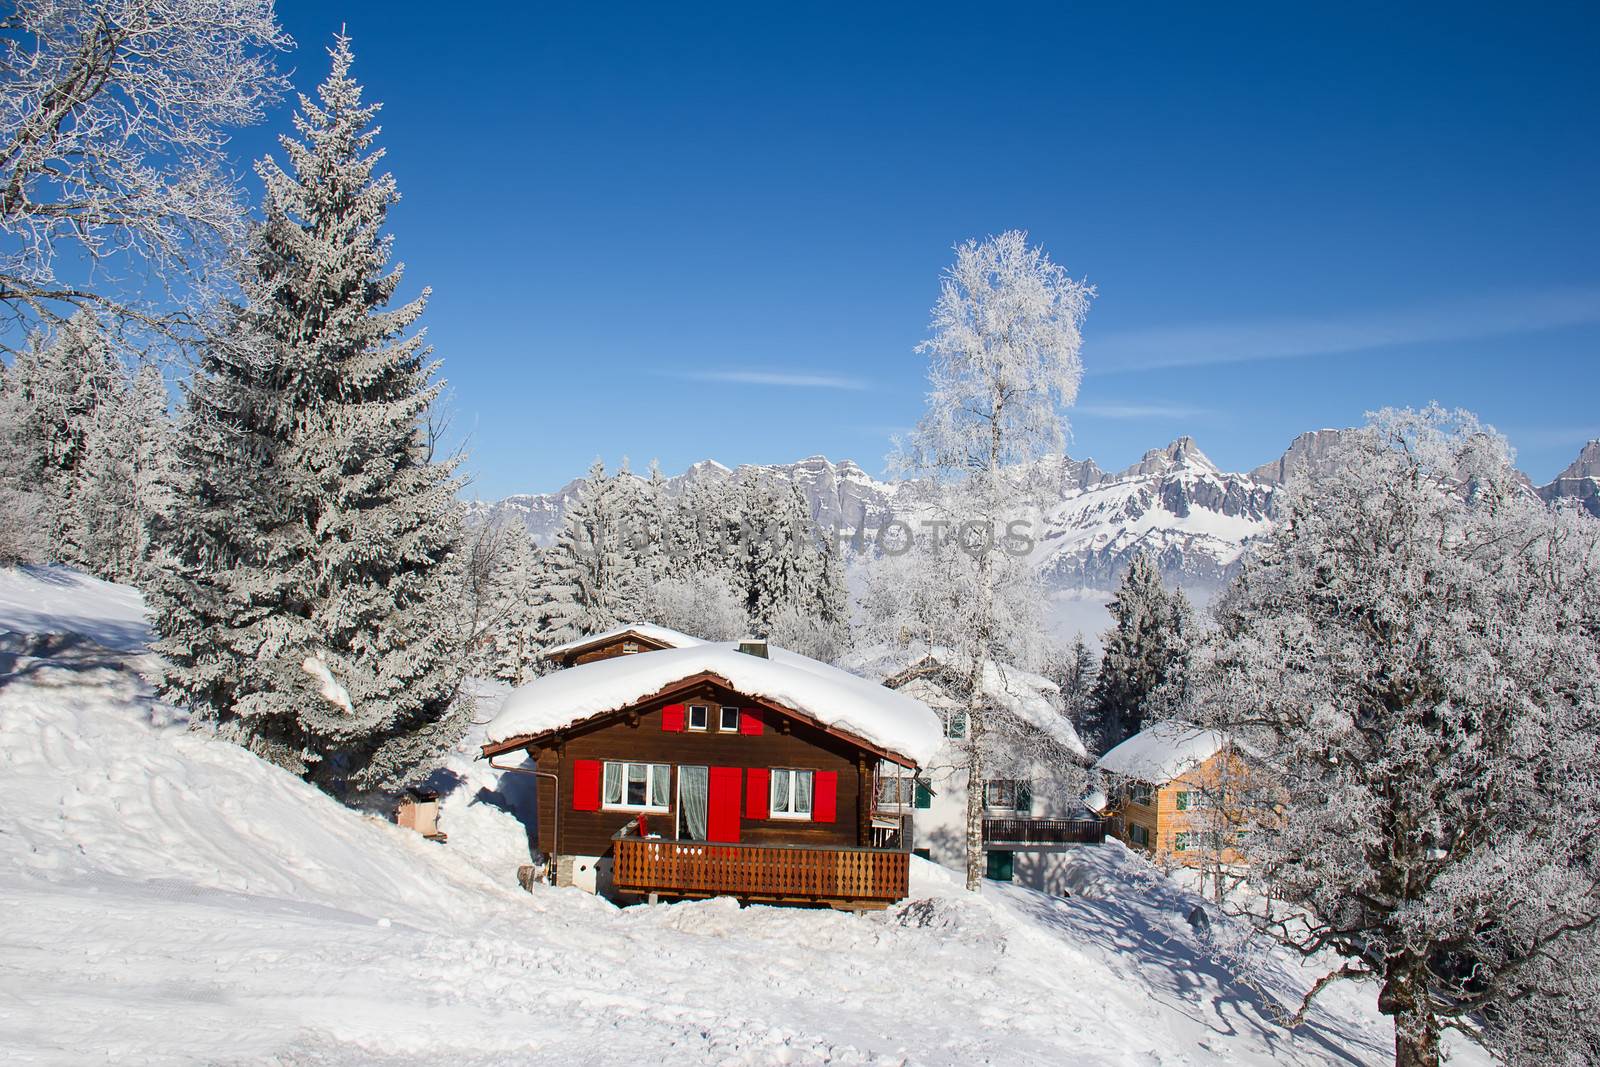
(636, 735)
(1163, 821)
(616, 647)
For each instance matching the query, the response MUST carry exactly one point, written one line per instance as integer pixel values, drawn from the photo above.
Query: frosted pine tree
(307, 612)
(1145, 649)
(1412, 660)
(48, 404)
(587, 585)
(125, 486)
(1003, 363)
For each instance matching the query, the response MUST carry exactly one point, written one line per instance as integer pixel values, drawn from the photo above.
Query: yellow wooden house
(1174, 791)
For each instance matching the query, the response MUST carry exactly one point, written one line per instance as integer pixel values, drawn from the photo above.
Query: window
(1183, 800)
(1191, 801)
(730, 719)
(898, 792)
(895, 791)
(630, 646)
(1139, 793)
(1180, 842)
(699, 716)
(925, 853)
(1008, 794)
(1138, 835)
(1001, 864)
(637, 786)
(791, 794)
(955, 723)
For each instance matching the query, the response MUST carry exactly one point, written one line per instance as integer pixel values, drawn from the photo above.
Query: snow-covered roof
(1162, 752)
(661, 635)
(1030, 697)
(894, 722)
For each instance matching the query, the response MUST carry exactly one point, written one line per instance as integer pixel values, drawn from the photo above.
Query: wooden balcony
(1042, 835)
(854, 878)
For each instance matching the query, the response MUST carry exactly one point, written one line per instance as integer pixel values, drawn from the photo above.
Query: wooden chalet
(623, 641)
(1176, 792)
(716, 769)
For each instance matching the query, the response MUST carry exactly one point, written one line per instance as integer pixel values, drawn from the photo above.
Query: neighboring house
(1033, 809)
(1175, 791)
(716, 769)
(623, 641)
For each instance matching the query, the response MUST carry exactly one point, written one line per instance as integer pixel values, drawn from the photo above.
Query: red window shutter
(672, 718)
(825, 796)
(757, 793)
(750, 721)
(586, 785)
(722, 805)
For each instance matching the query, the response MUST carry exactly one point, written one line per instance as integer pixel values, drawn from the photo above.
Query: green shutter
(1001, 865)
(923, 797)
(1183, 800)
(958, 725)
(1180, 843)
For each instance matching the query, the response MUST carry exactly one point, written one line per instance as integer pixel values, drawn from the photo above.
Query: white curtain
(780, 791)
(802, 792)
(660, 784)
(613, 783)
(693, 795)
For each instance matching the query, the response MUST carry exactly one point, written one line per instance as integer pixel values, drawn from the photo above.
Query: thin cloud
(1140, 411)
(1493, 315)
(778, 379)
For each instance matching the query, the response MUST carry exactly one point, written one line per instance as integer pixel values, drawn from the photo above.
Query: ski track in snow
(170, 899)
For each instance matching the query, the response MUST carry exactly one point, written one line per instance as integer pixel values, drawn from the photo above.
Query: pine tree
(48, 407)
(307, 607)
(124, 487)
(1148, 647)
(587, 587)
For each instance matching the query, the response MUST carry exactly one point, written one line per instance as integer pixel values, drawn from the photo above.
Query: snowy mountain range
(1195, 518)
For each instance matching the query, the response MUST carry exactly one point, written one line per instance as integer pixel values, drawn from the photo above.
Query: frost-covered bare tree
(114, 121)
(1003, 364)
(1413, 659)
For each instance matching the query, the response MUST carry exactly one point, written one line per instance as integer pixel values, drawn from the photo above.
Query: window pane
(802, 792)
(613, 789)
(636, 783)
(730, 718)
(698, 716)
(660, 784)
(780, 791)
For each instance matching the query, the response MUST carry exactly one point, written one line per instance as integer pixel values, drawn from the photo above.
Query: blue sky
(657, 232)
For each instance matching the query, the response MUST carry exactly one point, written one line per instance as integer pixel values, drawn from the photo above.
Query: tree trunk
(1416, 1031)
(976, 866)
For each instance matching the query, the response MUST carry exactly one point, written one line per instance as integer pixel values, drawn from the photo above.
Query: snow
(171, 899)
(1162, 752)
(61, 600)
(1027, 696)
(650, 631)
(835, 698)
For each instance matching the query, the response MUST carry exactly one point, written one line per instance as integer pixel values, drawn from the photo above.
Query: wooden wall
(803, 746)
(617, 647)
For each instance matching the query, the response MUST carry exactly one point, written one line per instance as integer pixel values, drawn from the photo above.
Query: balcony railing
(836, 875)
(1031, 834)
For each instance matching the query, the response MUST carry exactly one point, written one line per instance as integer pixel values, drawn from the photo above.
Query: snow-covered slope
(171, 899)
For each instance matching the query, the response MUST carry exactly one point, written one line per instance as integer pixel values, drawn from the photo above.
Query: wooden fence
(857, 877)
(1048, 833)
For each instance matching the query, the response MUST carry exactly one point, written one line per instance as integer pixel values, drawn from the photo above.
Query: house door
(692, 800)
(722, 806)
